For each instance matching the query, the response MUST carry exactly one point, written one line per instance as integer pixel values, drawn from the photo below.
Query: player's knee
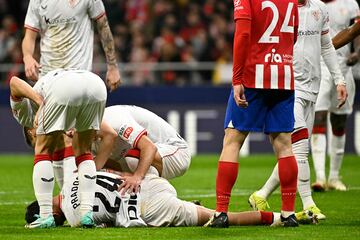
(338, 124)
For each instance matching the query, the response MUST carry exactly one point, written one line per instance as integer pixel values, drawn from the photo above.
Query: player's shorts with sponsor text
(77, 100)
(269, 111)
(160, 206)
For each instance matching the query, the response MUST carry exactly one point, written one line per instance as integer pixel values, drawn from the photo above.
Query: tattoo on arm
(107, 40)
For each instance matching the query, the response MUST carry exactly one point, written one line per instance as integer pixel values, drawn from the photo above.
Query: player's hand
(352, 59)
(341, 94)
(31, 68)
(239, 96)
(113, 79)
(131, 184)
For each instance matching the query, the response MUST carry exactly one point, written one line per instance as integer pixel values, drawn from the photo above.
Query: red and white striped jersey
(269, 63)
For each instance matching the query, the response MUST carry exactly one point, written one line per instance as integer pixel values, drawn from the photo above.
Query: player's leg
(87, 174)
(337, 149)
(43, 178)
(318, 149)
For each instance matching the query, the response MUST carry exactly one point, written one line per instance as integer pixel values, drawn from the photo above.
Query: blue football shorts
(269, 111)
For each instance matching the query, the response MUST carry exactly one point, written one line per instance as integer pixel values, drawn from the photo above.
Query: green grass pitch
(341, 208)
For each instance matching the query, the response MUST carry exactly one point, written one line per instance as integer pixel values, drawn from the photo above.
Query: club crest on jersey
(316, 15)
(273, 57)
(237, 5)
(73, 3)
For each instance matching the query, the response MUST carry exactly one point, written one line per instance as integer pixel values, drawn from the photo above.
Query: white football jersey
(109, 207)
(313, 22)
(341, 12)
(131, 122)
(23, 111)
(66, 31)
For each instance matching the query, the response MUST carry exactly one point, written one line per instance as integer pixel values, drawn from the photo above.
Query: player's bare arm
(113, 79)
(28, 46)
(147, 155)
(347, 35)
(21, 89)
(108, 136)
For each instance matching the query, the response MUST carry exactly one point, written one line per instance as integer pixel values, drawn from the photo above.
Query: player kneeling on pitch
(63, 99)
(155, 205)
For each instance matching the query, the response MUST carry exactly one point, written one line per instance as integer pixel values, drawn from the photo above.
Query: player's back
(270, 57)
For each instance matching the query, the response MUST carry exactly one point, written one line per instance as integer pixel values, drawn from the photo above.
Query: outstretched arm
(113, 79)
(347, 35)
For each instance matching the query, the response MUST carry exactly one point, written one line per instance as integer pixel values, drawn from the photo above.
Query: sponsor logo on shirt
(237, 5)
(273, 57)
(59, 21)
(308, 33)
(127, 132)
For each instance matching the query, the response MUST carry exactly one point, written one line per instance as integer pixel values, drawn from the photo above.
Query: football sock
(43, 183)
(288, 172)
(318, 149)
(87, 182)
(301, 151)
(225, 180)
(336, 155)
(58, 163)
(271, 184)
(267, 218)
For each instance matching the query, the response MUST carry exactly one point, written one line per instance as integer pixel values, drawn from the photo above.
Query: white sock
(276, 216)
(336, 155)
(301, 151)
(271, 184)
(59, 172)
(286, 214)
(43, 182)
(87, 185)
(318, 149)
(69, 167)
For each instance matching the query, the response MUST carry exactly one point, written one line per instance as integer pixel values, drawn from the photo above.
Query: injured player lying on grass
(156, 205)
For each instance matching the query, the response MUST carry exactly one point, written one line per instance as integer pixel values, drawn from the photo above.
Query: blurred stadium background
(175, 59)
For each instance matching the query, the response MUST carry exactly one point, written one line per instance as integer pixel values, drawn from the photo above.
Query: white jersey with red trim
(109, 206)
(313, 22)
(66, 31)
(341, 12)
(23, 111)
(131, 122)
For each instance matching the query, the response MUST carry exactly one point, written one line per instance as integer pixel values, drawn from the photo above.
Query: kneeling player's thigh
(280, 116)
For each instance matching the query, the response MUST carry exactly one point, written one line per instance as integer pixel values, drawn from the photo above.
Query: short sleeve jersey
(23, 111)
(66, 31)
(270, 55)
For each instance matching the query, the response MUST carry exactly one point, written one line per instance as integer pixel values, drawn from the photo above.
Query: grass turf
(341, 208)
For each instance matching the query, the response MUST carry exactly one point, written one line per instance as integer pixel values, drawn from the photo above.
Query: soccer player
(341, 13)
(313, 42)
(66, 34)
(262, 98)
(156, 205)
(134, 131)
(66, 98)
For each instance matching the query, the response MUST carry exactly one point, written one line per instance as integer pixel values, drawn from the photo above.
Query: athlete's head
(33, 210)
(30, 136)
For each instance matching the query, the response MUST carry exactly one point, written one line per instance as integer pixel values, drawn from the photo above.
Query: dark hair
(33, 211)
(28, 137)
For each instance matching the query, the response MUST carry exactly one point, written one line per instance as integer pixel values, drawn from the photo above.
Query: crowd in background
(145, 31)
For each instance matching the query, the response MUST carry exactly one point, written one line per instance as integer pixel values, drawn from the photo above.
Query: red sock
(225, 180)
(288, 172)
(267, 218)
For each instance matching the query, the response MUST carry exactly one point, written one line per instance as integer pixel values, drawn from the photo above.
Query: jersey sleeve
(325, 20)
(32, 19)
(96, 9)
(128, 129)
(22, 111)
(242, 9)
